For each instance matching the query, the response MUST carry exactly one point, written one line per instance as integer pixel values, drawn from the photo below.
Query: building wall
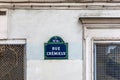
(38, 26)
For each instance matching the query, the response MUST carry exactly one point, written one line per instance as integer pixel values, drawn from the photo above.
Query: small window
(2, 12)
(12, 61)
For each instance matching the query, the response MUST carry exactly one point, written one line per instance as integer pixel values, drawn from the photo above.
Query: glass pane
(107, 62)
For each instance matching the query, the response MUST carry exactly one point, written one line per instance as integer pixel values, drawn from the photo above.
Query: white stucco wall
(3, 30)
(38, 26)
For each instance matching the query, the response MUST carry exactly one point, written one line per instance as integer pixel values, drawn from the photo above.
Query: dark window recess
(107, 62)
(12, 62)
(2, 12)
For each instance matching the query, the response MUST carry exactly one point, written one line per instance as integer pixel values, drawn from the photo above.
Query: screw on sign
(8, 61)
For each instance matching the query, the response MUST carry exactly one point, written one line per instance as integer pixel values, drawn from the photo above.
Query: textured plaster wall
(38, 26)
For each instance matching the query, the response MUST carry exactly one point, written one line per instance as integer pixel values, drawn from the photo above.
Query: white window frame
(89, 62)
(94, 32)
(12, 41)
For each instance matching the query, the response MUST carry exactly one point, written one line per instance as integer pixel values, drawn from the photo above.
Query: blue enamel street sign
(56, 48)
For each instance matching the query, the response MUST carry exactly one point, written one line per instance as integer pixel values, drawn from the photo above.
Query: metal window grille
(12, 62)
(107, 62)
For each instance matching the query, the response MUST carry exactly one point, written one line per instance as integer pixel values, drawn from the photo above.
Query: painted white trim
(88, 59)
(12, 41)
(113, 41)
(95, 68)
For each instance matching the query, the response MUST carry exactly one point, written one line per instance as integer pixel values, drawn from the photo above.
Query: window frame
(94, 31)
(18, 42)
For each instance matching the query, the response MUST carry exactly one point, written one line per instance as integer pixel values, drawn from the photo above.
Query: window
(101, 61)
(107, 61)
(12, 61)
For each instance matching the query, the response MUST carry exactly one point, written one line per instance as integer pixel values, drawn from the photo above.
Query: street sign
(56, 48)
